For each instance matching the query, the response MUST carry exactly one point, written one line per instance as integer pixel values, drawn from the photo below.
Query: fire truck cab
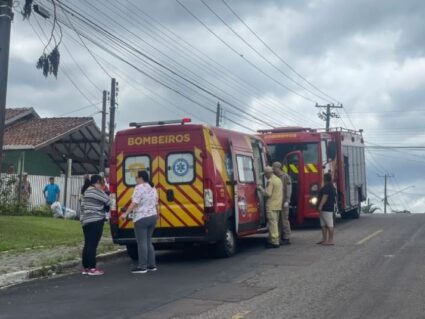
(307, 154)
(206, 178)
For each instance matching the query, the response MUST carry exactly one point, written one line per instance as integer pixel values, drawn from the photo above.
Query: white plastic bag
(69, 213)
(57, 210)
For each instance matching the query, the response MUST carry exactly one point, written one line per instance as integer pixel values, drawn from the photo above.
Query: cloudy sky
(369, 55)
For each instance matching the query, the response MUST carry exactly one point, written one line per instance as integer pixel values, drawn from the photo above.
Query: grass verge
(24, 232)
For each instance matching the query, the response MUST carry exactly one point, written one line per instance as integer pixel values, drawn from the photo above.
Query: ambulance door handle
(170, 195)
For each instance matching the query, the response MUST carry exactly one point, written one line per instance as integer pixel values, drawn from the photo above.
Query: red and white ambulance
(206, 178)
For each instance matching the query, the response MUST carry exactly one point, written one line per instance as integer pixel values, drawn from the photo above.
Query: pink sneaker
(85, 271)
(95, 272)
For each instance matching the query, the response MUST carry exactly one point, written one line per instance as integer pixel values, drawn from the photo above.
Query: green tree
(370, 208)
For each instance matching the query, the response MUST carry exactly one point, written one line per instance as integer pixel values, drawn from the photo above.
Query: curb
(14, 278)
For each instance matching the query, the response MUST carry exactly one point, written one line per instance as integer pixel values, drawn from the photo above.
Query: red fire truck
(307, 154)
(206, 178)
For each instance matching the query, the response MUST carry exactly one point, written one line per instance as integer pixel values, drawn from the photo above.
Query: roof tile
(36, 131)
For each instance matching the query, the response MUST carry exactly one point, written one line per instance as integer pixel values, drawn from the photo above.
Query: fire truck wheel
(355, 213)
(132, 251)
(227, 246)
(345, 215)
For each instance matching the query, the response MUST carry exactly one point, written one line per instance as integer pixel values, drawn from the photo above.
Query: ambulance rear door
(178, 174)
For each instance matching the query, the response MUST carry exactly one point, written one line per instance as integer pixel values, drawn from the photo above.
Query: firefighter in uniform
(284, 225)
(273, 194)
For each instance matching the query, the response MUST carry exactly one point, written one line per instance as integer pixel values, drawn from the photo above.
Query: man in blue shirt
(51, 192)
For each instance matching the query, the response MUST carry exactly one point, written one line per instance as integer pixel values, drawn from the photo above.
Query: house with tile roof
(49, 142)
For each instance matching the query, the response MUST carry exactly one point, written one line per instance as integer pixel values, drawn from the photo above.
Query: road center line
(240, 315)
(369, 237)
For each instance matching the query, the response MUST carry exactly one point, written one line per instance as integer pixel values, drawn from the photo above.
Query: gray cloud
(368, 54)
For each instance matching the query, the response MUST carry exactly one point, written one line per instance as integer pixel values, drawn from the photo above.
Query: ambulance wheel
(227, 247)
(132, 251)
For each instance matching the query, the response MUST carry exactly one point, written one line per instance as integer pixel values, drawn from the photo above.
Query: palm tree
(370, 208)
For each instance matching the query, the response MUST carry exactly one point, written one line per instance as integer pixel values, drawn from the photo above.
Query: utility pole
(6, 17)
(114, 94)
(326, 116)
(103, 137)
(218, 115)
(385, 177)
(68, 174)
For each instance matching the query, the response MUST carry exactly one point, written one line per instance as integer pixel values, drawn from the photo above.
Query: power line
(275, 54)
(227, 76)
(159, 82)
(197, 78)
(87, 48)
(240, 54)
(257, 52)
(63, 69)
(80, 109)
(137, 51)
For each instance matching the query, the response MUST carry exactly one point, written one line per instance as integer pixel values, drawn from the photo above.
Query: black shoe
(152, 269)
(285, 242)
(138, 270)
(269, 245)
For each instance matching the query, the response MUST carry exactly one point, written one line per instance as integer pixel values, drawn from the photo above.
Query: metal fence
(38, 183)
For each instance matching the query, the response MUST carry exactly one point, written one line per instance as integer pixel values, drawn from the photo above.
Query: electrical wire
(150, 59)
(219, 70)
(63, 69)
(241, 55)
(259, 53)
(276, 55)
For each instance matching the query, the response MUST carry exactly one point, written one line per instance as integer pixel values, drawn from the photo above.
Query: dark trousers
(92, 234)
(143, 230)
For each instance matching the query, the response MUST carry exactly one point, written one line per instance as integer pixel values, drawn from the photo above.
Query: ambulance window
(134, 164)
(245, 169)
(180, 168)
(229, 166)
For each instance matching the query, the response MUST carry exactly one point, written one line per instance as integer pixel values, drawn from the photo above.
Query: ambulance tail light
(113, 206)
(208, 196)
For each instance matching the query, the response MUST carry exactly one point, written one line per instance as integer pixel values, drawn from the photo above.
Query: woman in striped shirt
(94, 206)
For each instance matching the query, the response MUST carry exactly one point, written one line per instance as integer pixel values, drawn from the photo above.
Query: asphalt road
(375, 270)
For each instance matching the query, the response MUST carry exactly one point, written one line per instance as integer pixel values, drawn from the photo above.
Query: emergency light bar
(287, 129)
(140, 124)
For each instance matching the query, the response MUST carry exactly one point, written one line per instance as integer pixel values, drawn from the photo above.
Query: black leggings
(92, 234)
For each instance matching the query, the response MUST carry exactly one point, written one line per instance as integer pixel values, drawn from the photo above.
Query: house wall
(36, 162)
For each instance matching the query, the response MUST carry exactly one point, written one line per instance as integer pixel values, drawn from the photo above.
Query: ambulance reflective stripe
(169, 214)
(197, 184)
(182, 200)
(219, 160)
(187, 208)
(122, 190)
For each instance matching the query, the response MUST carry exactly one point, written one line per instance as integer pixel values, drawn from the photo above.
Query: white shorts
(327, 219)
